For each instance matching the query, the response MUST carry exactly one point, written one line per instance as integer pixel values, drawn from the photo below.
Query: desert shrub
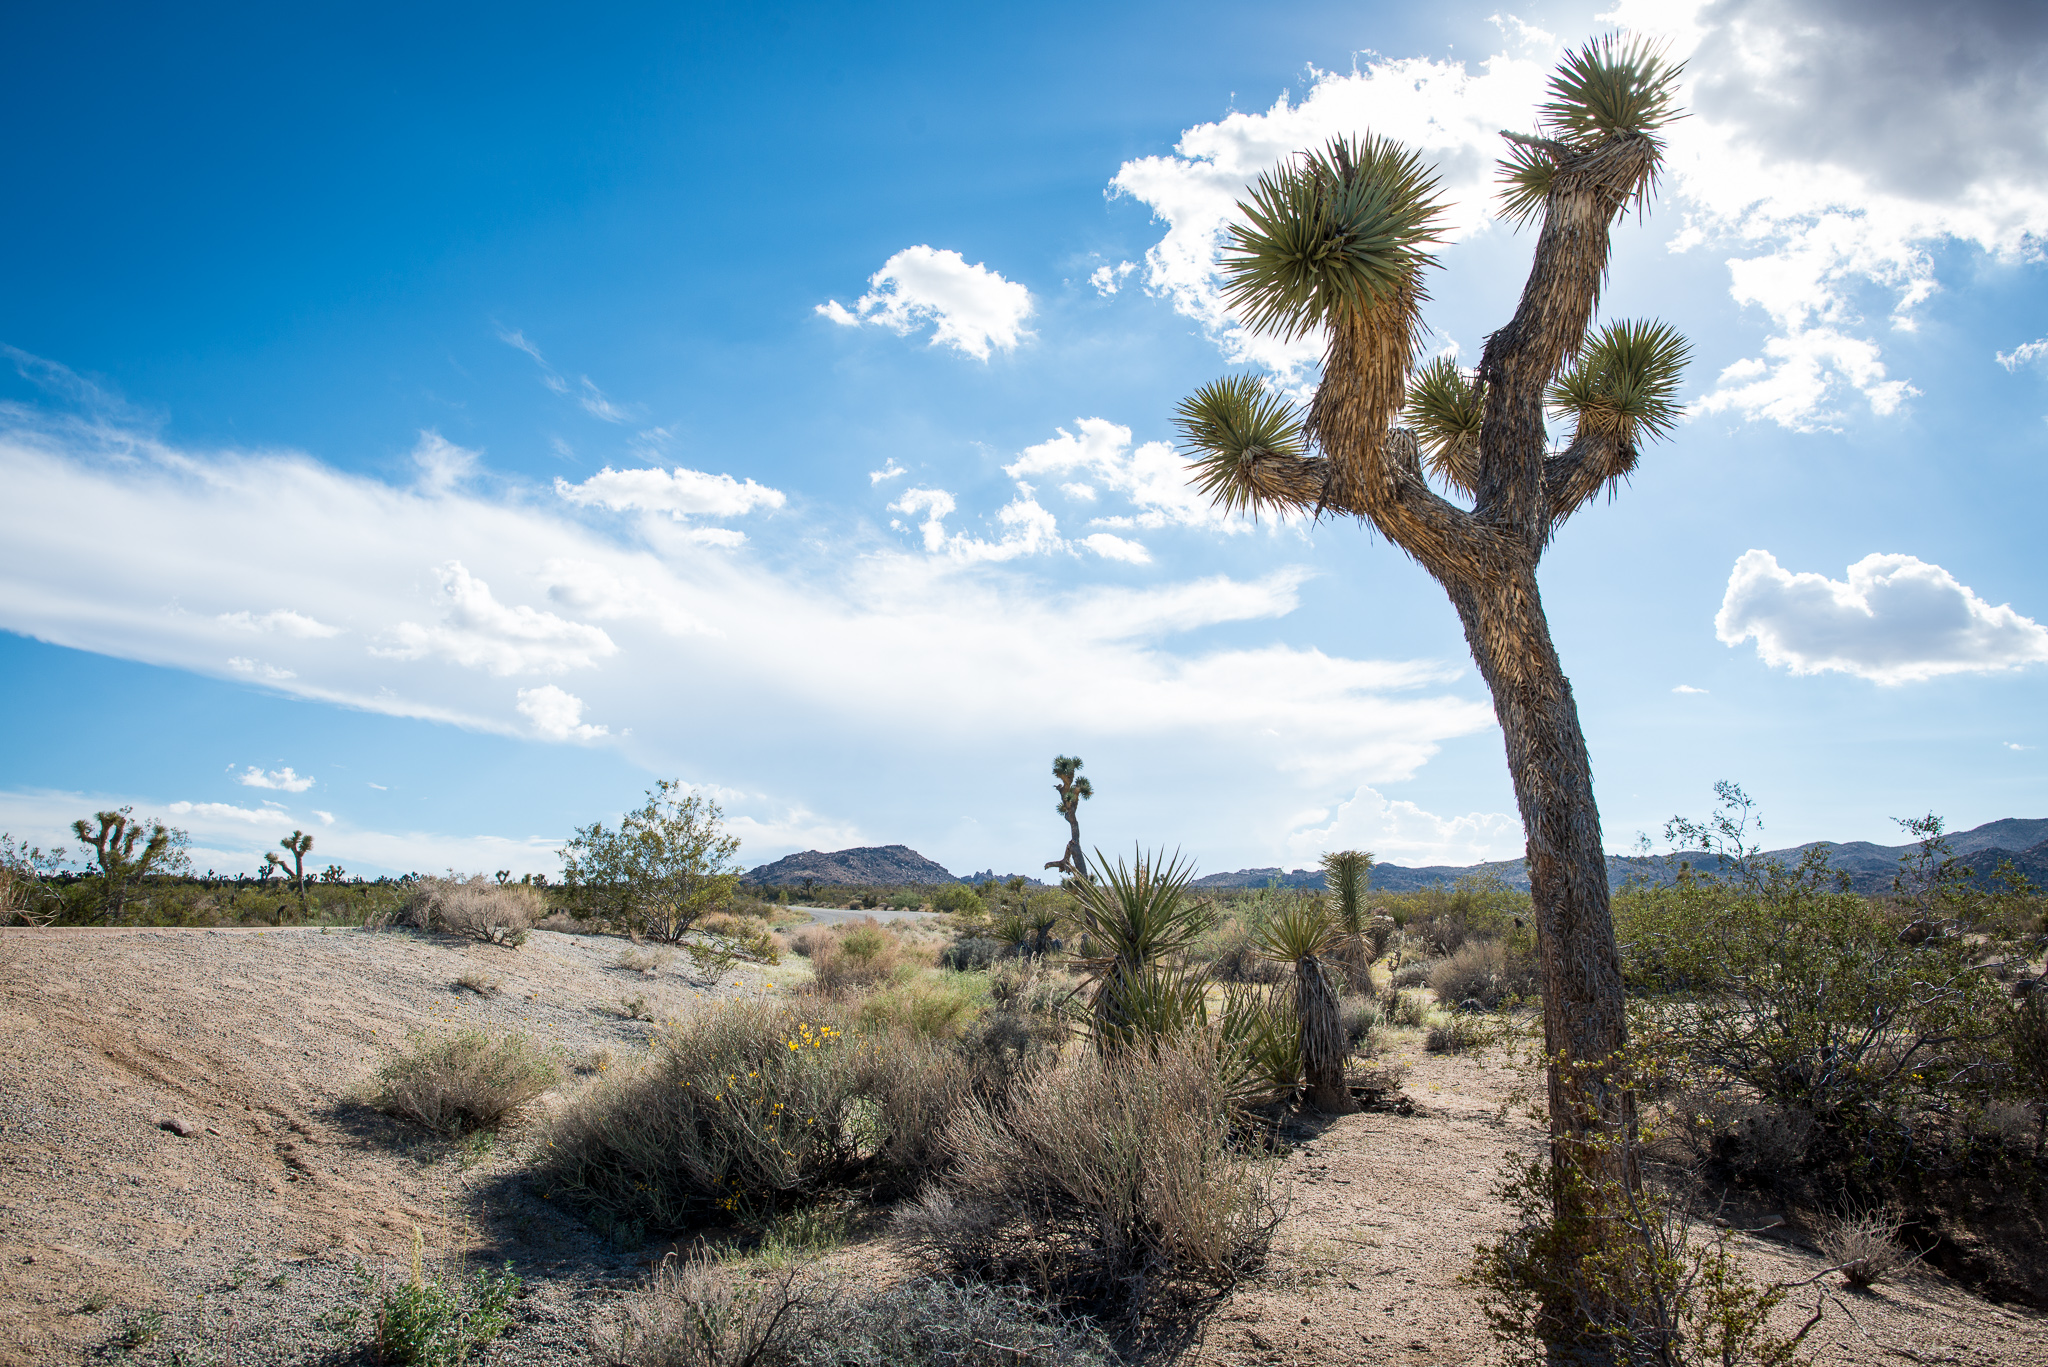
(441, 1320)
(859, 956)
(934, 1004)
(2023, 1037)
(641, 959)
(696, 1314)
(970, 952)
(1108, 1179)
(1475, 972)
(1864, 1244)
(1789, 995)
(1619, 1277)
(1415, 974)
(495, 913)
(1453, 1034)
(1232, 954)
(668, 863)
(957, 898)
(1441, 919)
(483, 984)
(1410, 1008)
(1365, 1026)
(752, 1107)
(468, 1080)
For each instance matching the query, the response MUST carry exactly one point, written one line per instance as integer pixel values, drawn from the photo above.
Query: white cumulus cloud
(890, 470)
(1109, 279)
(1112, 547)
(1152, 476)
(679, 492)
(1895, 619)
(556, 715)
(2026, 353)
(1400, 832)
(280, 780)
(225, 811)
(972, 307)
(478, 632)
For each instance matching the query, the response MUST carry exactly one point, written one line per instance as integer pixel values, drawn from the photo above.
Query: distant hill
(866, 866)
(1870, 867)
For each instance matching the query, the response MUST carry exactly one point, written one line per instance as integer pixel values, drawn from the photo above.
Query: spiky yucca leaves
(1226, 429)
(1156, 1006)
(1346, 875)
(1624, 384)
(1134, 917)
(1446, 407)
(1301, 934)
(1613, 88)
(1262, 1044)
(1329, 235)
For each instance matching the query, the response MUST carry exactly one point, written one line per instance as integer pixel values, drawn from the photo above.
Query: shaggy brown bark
(1322, 1036)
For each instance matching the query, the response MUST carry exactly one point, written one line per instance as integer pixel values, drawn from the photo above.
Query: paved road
(833, 916)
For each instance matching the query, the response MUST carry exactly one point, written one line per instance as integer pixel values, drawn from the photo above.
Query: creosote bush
(495, 913)
(1107, 1180)
(441, 1319)
(467, 1080)
(695, 1313)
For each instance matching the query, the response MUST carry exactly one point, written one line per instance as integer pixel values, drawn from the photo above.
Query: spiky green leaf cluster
(1229, 424)
(1330, 234)
(1347, 874)
(1612, 87)
(1625, 381)
(1298, 932)
(1446, 407)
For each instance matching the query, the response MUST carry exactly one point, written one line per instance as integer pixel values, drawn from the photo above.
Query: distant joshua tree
(1072, 788)
(1337, 240)
(298, 845)
(126, 850)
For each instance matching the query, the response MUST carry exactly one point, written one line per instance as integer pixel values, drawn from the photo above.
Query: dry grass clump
(495, 913)
(935, 1004)
(483, 984)
(1411, 1009)
(1415, 974)
(1108, 1180)
(751, 1107)
(643, 959)
(469, 1080)
(1453, 1034)
(1476, 972)
(694, 1313)
(861, 955)
(1864, 1244)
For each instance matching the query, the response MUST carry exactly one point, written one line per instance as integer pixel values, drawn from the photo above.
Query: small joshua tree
(1072, 788)
(1302, 935)
(125, 851)
(1337, 242)
(298, 845)
(1347, 874)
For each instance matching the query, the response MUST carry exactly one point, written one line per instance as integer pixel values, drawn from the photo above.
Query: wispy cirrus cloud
(584, 392)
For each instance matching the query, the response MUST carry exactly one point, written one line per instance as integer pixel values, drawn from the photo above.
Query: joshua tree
(1338, 240)
(127, 850)
(1347, 873)
(1072, 788)
(1301, 935)
(298, 845)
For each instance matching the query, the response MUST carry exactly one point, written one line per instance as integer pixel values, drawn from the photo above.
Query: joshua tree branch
(1550, 145)
(1575, 475)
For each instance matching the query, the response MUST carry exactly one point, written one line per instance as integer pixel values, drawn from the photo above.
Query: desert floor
(252, 1238)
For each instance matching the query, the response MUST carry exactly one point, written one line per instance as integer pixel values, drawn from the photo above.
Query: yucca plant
(1346, 876)
(1337, 240)
(1261, 1043)
(1134, 918)
(1301, 935)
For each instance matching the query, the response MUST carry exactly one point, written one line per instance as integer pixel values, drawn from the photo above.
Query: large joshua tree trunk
(1546, 752)
(1322, 1036)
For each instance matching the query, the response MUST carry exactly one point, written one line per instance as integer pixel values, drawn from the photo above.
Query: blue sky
(428, 427)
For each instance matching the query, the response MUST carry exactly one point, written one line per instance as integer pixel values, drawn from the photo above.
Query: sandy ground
(252, 1236)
